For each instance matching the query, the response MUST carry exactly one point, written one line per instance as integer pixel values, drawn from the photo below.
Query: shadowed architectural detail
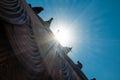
(79, 64)
(47, 23)
(93, 79)
(37, 9)
(28, 48)
(67, 49)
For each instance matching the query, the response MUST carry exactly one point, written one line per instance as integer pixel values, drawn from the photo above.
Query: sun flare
(63, 36)
(63, 33)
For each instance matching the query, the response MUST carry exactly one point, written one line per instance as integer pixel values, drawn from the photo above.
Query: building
(28, 48)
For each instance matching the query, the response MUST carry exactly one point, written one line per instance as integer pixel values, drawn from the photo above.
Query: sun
(63, 36)
(63, 31)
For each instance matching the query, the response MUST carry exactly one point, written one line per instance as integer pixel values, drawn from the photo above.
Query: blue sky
(96, 28)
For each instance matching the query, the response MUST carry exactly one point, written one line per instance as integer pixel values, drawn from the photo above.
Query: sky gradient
(95, 29)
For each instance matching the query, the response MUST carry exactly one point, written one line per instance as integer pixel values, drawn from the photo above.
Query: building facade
(28, 48)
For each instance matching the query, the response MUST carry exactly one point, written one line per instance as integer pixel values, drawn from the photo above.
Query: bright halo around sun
(63, 36)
